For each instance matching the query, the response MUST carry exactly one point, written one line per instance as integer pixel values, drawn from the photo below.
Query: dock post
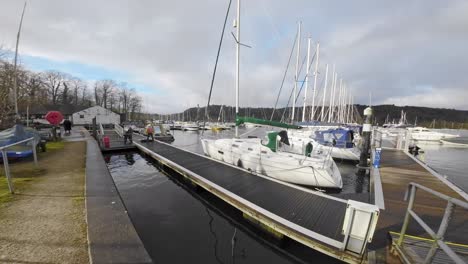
(366, 134)
(94, 128)
(7, 171)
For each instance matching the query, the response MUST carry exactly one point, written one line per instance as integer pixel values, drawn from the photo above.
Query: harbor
(396, 167)
(233, 132)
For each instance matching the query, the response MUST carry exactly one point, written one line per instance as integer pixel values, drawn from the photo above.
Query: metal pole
(297, 70)
(366, 132)
(306, 80)
(315, 80)
(322, 115)
(332, 95)
(441, 232)
(407, 216)
(238, 37)
(34, 151)
(15, 81)
(7, 171)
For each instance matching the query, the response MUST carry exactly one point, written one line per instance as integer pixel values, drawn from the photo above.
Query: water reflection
(179, 224)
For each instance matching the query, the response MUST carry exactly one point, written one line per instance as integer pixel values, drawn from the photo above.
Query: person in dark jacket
(67, 125)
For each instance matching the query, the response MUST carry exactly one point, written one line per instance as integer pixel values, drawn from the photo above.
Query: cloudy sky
(401, 52)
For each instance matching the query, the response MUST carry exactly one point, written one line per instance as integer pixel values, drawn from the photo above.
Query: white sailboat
(268, 158)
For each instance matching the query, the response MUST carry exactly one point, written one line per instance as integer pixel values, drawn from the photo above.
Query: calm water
(180, 224)
(449, 161)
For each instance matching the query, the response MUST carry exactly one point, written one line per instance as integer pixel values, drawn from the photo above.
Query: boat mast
(348, 108)
(317, 53)
(237, 24)
(324, 94)
(332, 95)
(15, 77)
(340, 94)
(306, 80)
(297, 69)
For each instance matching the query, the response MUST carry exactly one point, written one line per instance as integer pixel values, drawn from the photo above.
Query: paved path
(45, 221)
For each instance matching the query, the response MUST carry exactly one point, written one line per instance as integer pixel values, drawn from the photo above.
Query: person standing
(67, 125)
(149, 129)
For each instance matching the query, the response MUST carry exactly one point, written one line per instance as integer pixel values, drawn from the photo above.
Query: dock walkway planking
(397, 171)
(285, 206)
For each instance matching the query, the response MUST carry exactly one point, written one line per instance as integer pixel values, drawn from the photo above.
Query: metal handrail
(5, 159)
(101, 129)
(119, 129)
(439, 236)
(17, 143)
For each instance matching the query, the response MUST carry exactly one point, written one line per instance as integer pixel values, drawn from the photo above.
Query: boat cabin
(340, 137)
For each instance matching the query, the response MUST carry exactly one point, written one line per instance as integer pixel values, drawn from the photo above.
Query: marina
(234, 132)
(398, 170)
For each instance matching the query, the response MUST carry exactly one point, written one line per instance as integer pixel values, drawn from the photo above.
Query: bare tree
(97, 94)
(77, 85)
(105, 88)
(53, 80)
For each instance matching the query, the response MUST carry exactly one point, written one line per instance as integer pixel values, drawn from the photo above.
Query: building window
(81, 116)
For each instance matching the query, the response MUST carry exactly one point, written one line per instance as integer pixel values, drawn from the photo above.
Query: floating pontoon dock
(398, 170)
(336, 227)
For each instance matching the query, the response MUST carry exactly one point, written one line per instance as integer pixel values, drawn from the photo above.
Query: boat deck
(296, 212)
(397, 171)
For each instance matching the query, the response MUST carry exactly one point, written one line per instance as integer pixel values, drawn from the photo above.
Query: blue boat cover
(340, 137)
(15, 134)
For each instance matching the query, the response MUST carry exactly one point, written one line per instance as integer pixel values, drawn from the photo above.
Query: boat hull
(251, 155)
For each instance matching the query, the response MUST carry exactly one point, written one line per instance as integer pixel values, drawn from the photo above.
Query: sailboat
(268, 157)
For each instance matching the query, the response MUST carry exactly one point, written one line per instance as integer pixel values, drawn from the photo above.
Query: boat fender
(308, 150)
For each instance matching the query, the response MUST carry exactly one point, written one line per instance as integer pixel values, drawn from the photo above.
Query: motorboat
(424, 134)
(272, 159)
(190, 127)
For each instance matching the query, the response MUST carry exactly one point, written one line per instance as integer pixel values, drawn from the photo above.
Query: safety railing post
(441, 232)
(7, 171)
(34, 151)
(412, 194)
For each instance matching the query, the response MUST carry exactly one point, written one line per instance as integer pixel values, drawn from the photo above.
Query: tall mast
(237, 63)
(306, 80)
(297, 69)
(332, 96)
(340, 94)
(317, 53)
(15, 81)
(324, 94)
(332, 115)
(348, 108)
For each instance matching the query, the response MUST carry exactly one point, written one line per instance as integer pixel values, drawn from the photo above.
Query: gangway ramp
(337, 227)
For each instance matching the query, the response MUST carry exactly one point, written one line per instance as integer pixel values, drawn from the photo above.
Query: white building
(103, 116)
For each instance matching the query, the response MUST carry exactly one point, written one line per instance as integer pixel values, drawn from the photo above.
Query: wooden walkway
(397, 171)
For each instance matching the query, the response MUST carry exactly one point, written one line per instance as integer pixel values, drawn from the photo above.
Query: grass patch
(18, 184)
(55, 145)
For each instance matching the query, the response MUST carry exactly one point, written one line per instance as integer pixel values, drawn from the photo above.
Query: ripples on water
(450, 161)
(180, 224)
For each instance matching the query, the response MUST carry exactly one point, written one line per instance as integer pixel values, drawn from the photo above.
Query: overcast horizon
(402, 53)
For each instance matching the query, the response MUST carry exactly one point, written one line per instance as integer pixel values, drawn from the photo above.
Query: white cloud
(392, 48)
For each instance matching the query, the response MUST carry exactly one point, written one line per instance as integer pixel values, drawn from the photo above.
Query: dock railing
(119, 129)
(438, 236)
(5, 159)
